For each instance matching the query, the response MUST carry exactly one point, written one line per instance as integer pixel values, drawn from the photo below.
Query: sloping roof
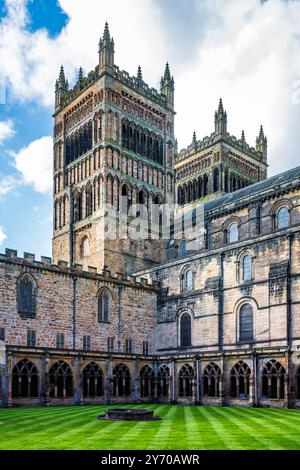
(253, 189)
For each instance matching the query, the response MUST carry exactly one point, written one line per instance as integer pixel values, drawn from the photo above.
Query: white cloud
(8, 183)
(30, 61)
(2, 235)
(250, 56)
(6, 130)
(34, 163)
(248, 53)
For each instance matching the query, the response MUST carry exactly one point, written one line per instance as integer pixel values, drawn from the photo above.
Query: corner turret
(106, 51)
(262, 144)
(167, 86)
(220, 120)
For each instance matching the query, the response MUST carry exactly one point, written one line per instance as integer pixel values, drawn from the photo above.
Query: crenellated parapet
(212, 139)
(63, 267)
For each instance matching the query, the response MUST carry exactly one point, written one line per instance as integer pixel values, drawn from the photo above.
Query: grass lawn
(181, 427)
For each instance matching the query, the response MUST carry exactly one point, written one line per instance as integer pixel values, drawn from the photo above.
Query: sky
(247, 52)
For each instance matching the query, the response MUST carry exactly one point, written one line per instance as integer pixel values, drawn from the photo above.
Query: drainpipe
(289, 292)
(71, 227)
(74, 311)
(221, 302)
(120, 289)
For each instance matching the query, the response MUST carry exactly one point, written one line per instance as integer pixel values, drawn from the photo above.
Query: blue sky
(247, 52)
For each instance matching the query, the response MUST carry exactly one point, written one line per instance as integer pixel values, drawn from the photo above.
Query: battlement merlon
(62, 267)
(65, 95)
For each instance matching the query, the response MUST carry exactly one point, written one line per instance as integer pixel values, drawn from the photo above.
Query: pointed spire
(62, 78)
(61, 88)
(106, 34)
(167, 86)
(220, 119)
(261, 142)
(261, 134)
(243, 136)
(167, 74)
(139, 73)
(80, 74)
(106, 49)
(220, 108)
(194, 138)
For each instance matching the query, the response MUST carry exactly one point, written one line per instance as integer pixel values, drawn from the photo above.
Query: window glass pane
(247, 274)
(246, 323)
(233, 233)
(189, 280)
(283, 218)
(182, 248)
(185, 330)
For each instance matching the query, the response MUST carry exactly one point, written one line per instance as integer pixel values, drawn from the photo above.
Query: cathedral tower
(219, 163)
(113, 166)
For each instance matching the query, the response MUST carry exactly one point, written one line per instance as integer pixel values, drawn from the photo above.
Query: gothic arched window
(61, 380)
(163, 381)
(211, 380)
(121, 381)
(283, 218)
(147, 382)
(103, 306)
(26, 296)
(273, 380)
(246, 323)
(185, 379)
(92, 381)
(216, 180)
(25, 380)
(185, 330)
(88, 201)
(240, 380)
(247, 268)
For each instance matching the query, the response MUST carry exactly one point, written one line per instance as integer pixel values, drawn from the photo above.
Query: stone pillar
(223, 390)
(108, 381)
(78, 400)
(9, 368)
(155, 368)
(43, 379)
(251, 390)
(173, 388)
(253, 382)
(198, 380)
(286, 390)
(136, 380)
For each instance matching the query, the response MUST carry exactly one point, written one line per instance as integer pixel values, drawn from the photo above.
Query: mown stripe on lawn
(263, 421)
(165, 430)
(250, 430)
(43, 421)
(35, 428)
(222, 429)
(139, 433)
(194, 436)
